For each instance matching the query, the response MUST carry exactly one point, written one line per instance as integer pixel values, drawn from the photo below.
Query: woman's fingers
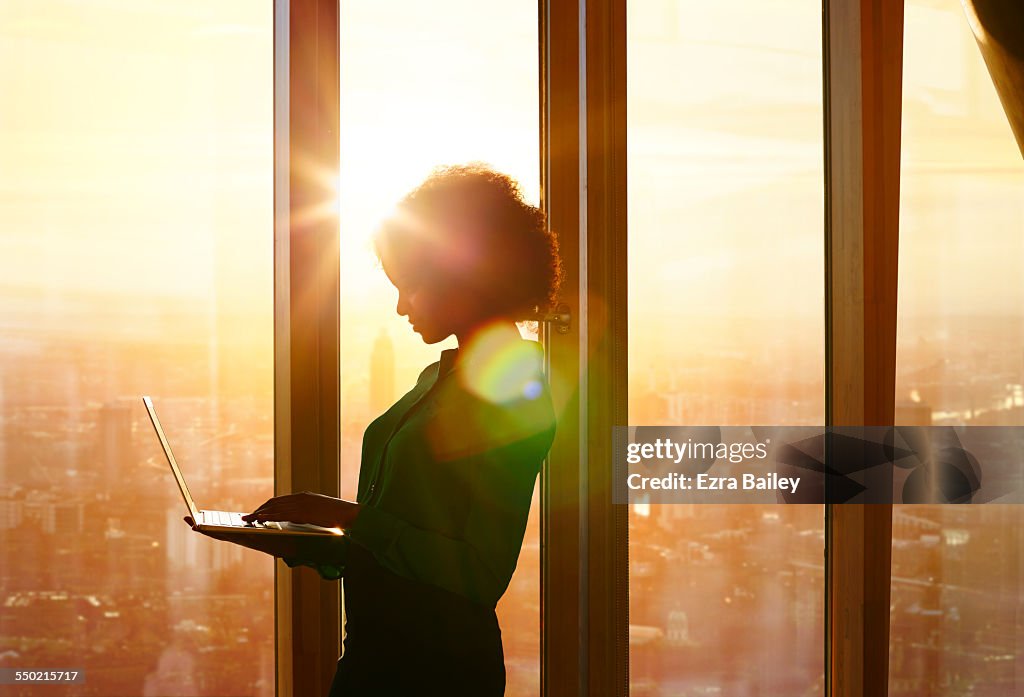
(303, 507)
(283, 516)
(271, 505)
(275, 501)
(277, 506)
(286, 502)
(262, 506)
(283, 511)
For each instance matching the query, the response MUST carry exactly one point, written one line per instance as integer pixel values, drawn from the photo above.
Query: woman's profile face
(434, 304)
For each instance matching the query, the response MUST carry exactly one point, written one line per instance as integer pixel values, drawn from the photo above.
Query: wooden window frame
(585, 648)
(863, 62)
(307, 425)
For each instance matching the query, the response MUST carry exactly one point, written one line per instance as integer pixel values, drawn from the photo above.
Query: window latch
(560, 319)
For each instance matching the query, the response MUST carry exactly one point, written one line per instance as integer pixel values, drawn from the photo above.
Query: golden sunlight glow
(133, 139)
(411, 104)
(328, 182)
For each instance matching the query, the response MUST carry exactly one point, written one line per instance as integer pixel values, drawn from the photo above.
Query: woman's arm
(327, 556)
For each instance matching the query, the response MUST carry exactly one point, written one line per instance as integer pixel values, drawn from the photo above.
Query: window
(956, 623)
(726, 261)
(424, 85)
(136, 258)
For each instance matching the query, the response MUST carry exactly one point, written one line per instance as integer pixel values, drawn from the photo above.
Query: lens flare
(499, 370)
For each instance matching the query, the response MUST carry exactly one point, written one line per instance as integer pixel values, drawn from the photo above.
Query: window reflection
(725, 328)
(957, 571)
(135, 258)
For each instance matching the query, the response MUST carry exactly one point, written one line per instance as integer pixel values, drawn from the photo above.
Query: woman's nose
(403, 305)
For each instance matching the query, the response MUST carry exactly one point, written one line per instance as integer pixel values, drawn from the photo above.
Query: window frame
(585, 538)
(307, 424)
(862, 50)
(862, 44)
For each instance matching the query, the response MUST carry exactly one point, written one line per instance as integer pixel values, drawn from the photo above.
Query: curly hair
(471, 222)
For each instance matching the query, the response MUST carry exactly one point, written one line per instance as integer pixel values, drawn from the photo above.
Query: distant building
(45, 512)
(115, 451)
(913, 414)
(12, 512)
(382, 373)
(54, 517)
(187, 550)
(673, 516)
(906, 526)
(678, 627)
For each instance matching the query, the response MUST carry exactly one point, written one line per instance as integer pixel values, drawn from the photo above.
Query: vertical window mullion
(307, 406)
(607, 572)
(863, 78)
(584, 190)
(562, 619)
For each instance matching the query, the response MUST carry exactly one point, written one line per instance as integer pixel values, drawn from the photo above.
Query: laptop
(223, 522)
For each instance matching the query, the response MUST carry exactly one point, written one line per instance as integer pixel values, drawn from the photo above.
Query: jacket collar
(447, 362)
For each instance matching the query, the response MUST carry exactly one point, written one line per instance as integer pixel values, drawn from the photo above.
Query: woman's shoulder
(489, 405)
(428, 373)
(506, 379)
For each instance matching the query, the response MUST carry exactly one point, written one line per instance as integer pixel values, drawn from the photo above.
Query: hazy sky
(136, 152)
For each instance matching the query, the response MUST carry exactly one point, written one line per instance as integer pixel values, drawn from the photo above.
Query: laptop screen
(170, 459)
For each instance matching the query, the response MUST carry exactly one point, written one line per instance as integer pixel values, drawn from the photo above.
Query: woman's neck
(497, 331)
(485, 339)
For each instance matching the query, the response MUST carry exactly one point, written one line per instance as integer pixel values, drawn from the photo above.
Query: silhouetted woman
(448, 472)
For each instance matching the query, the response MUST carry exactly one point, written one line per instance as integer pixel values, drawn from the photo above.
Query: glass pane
(135, 258)
(422, 85)
(957, 572)
(726, 308)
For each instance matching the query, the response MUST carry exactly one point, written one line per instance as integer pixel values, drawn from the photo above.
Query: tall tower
(382, 373)
(115, 455)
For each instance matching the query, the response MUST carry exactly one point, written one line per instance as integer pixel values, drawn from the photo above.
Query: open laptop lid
(170, 460)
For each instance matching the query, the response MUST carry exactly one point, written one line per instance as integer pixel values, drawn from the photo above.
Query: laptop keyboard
(234, 520)
(222, 518)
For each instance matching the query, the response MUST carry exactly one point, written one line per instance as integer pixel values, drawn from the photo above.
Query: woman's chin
(431, 340)
(429, 337)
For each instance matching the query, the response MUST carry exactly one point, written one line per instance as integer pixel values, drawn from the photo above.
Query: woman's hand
(307, 507)
(320, 549)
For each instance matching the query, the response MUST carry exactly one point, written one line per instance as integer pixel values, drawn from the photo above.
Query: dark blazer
(445, 484)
